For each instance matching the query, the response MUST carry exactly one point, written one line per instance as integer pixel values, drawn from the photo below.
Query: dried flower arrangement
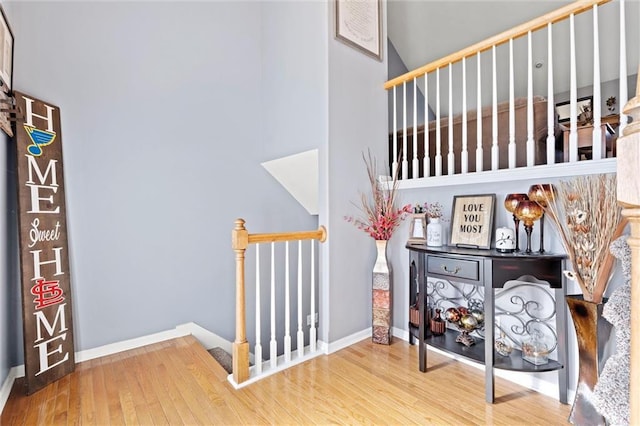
(587, 216)
(381, 216)
(432, 210)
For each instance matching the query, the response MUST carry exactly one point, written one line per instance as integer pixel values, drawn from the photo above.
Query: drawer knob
(450, 271)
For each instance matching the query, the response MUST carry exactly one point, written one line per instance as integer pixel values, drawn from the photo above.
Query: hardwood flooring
(177, 382)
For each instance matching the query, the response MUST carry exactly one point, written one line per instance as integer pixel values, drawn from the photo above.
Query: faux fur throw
(611, 393)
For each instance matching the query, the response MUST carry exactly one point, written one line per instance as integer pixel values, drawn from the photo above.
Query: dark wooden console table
(489, 269)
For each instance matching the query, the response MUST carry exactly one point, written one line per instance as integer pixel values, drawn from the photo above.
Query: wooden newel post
(628, 156)
(239, 242)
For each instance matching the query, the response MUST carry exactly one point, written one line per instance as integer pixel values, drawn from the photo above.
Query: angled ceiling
(426, 30)
(298, 174)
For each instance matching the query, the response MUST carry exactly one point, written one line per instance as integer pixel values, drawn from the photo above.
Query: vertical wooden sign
(44, 254)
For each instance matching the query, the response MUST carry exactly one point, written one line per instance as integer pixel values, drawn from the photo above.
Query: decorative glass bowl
(466, 320)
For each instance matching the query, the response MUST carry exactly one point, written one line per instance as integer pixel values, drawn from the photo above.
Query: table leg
(488, 336)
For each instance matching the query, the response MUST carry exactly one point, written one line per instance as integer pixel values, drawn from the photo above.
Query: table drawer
(454, 268)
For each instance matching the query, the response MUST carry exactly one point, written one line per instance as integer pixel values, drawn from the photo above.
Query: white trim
(322, 348)
(5, 390)
(348, 340)
(268, 369)
(528, 380)
(126, 345)
(208, 339)
(400, 333)
(607, 165)
(205, 337)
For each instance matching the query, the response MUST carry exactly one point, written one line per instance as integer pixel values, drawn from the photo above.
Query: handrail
(320, 235)
(240, 240)
(515, 32)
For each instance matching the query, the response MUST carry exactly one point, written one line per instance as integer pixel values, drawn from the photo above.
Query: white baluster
(257, 358)
(479, 151)
(624, 96)
(426, 161)
(451, 156)
(300, 336)
(573, 132)
(531, 146)
(287, 308)
(512, 110)
(273, 343)
(405, 161)
(312, 331)
(596, 102)
(438, 141)
(465, 152)
(415, 164)
(551, 108)
(494, 115)
(394, 166)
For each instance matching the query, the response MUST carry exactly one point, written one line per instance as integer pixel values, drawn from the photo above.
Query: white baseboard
(208, 339)
(126, 345)
(527, 380)
(5, 390)
(346, 341)
(205, 337)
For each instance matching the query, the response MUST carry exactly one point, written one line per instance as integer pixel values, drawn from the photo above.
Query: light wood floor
(178, 382)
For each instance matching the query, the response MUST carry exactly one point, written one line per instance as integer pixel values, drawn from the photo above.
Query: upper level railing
(531, 135)
(240, 240)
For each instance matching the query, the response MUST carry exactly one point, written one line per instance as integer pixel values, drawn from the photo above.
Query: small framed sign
(359, 24)
(472, 220)
(584, 106)
(418, 228)
(6, 51)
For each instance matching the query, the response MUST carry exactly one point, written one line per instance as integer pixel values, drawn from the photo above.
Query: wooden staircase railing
(442, 155)
(240, 240)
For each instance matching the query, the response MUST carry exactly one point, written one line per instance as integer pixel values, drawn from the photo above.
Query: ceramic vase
(434, 232)
(438, 326)
(382, 300)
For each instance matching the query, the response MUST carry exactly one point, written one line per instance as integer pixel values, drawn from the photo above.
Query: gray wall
(8, 254)
(357, 121)
(293, 74)
(397, 68)
(166, 114)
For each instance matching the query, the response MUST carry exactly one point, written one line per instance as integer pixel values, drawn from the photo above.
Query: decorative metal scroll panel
(521, 308)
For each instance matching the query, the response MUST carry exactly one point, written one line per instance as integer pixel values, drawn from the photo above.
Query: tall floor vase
(382, 300)
(592, 332)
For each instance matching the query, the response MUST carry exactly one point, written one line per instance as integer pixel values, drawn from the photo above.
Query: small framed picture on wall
(358, 24)
(6, 52)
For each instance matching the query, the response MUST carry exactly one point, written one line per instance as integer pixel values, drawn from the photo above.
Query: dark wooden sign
(44, 254)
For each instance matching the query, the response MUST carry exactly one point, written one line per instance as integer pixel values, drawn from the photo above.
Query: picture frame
(472, 220)
(563, 109)
(6, 51)
(359, 25)
(418, 228)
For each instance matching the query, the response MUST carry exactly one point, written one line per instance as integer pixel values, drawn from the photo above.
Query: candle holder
(528, 211)
(540, 193)
(510, 203)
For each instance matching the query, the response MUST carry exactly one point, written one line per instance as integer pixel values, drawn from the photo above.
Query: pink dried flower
(380, 216)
